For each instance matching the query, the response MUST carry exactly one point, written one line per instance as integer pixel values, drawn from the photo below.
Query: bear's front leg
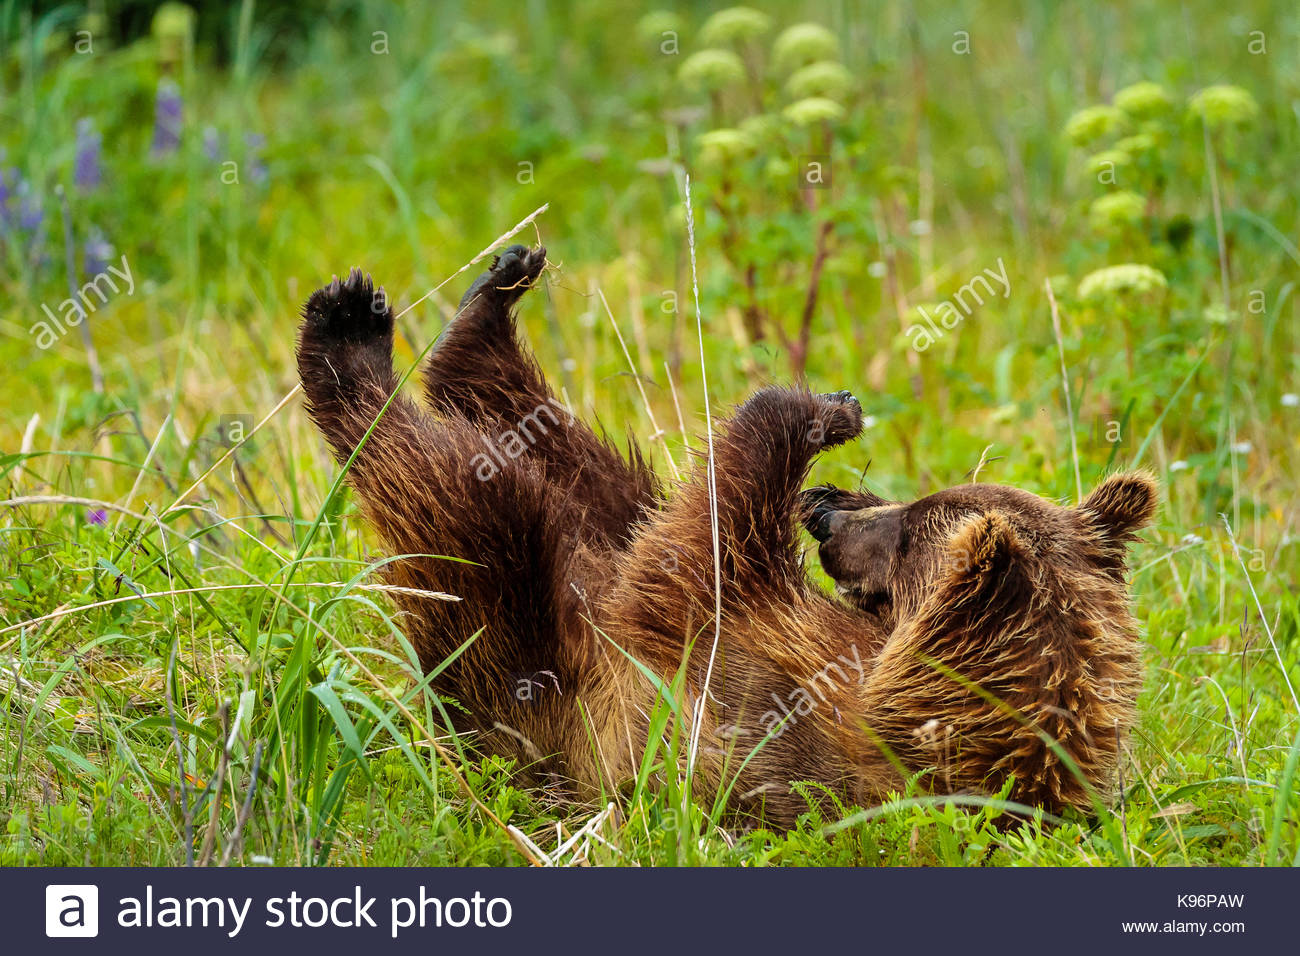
(666, 590)
(760, 463)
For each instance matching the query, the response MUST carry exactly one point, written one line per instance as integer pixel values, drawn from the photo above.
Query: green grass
(130, 730)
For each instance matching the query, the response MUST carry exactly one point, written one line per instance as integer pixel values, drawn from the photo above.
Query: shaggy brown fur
(985, 635)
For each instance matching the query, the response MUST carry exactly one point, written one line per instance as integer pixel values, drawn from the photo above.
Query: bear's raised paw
(351, 311)
(513, 273)
(839, 419)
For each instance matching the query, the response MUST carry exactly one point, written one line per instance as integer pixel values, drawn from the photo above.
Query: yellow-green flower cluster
(735, 25)
(656, 23)
(1115, 282)
(1094, 123)
(1145, 100)
(763, 128)
(826, 78)
(1108, 159)
(1118, 210)
(722, 145)
(802, 44)
(711, 70)
(813, 110)
(1224, 105)
(1137, 145)
(816, 83)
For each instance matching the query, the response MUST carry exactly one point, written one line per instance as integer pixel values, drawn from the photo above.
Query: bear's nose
(819, 522)
(818, 507)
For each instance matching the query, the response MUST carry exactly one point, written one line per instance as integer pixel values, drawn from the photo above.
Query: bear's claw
(842, 417)
(351, 310)
(513, 272)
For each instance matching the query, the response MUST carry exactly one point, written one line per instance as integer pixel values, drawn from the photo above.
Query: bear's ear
(984, 547)
(1122, 505)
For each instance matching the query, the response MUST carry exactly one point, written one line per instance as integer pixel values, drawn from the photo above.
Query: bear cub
(982, 634)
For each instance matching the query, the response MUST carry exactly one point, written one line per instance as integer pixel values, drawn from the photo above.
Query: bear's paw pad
(351, 310)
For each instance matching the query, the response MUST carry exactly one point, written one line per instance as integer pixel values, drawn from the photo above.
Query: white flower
(919, 227)
(1291, 400)
(868, 421)
(1192, 539)
(1240, 447)
(877, 270)
(1179, 465)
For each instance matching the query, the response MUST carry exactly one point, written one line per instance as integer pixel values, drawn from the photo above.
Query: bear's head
(887, 557)
(1011, 644)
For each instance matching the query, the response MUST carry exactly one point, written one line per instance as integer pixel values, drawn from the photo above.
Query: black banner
(645, 910)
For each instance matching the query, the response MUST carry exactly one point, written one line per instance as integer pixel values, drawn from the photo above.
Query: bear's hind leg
(479, 370)
(470, 525)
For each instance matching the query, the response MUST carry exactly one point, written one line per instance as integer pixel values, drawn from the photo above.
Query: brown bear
(984, 634)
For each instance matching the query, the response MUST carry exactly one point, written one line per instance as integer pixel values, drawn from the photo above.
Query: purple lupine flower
(211, 143)
(255, 142)
(87, 173)
(166, 119)
(96, 516)
(30, 213)
(96, 252)
(6, 193)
